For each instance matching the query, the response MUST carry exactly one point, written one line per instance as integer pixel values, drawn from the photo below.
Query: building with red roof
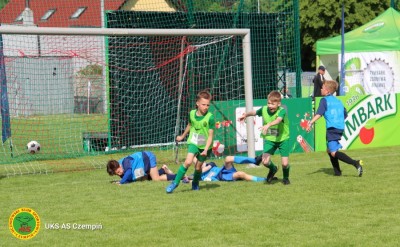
(77, 13)
(59, 13)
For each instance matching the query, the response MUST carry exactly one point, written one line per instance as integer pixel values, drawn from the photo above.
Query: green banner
(233, 135)
(372, 121)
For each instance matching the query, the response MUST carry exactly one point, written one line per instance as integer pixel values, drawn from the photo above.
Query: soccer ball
(33, 147)
(218, 148)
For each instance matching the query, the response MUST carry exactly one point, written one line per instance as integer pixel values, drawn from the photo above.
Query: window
(78, 12)
(48, 14)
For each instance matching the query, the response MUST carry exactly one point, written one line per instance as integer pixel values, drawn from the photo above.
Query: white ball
(221, 148)
(218, 148)
(33, 147)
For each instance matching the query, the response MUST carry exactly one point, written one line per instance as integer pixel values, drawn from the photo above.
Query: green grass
(60, 136)
(317, 209)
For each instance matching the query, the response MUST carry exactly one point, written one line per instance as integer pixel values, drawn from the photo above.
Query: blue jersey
(218, 174)
(212, 174)
(334, 113)
(137, 166)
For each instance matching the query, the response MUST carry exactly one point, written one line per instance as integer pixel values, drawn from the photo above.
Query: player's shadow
(204, 186)
(328, 171)
(273, 181)
(209, 186)
(2, 176)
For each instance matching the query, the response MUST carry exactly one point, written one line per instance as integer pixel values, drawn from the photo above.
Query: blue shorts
(333, 146)
(227, 174)
(152, 159)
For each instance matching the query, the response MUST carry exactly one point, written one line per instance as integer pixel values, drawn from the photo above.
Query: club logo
(24, 223)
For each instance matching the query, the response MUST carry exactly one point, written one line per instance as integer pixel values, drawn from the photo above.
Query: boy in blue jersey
(138, 166)
(334, 113)
(211, 172)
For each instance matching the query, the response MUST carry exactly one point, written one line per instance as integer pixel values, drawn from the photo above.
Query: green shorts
(193, 149)
(283, 146)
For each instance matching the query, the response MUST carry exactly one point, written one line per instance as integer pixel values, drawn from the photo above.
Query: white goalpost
(30, 32)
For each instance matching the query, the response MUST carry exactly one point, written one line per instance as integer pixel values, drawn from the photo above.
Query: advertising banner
(372, 121)
(233, 135)
(372, 72)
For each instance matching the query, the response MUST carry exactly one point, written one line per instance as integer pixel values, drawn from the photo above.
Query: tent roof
(380, 34)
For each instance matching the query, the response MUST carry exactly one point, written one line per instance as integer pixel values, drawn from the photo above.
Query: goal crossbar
(121, 31)
(244, 33)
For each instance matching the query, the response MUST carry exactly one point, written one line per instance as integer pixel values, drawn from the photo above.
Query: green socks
(271, 166)
(179, 175)
(196, 177)
(285, 171)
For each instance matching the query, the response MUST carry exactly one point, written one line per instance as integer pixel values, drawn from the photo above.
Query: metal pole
(178, 108)
(248, 89)
(121, 31)
(342, 72)
(104, 74)
(88, 96)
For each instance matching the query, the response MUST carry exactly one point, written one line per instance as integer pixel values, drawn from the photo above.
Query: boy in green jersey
(275, 132)
(201, 131)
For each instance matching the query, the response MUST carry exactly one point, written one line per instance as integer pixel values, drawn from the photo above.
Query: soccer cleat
(258, 160)
(286, 181)
(195, 186)
(171, 187)
(337, 172)
(271, 174)
(359, 167)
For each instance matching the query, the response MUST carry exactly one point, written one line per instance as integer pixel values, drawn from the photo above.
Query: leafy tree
(91, 70)
(3, 3)
(321, 19)
(92, 73)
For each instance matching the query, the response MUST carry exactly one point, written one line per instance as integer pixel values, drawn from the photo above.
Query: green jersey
(199, 127)
(279, 132)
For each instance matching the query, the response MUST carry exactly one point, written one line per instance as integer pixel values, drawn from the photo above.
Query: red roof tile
(61, 18)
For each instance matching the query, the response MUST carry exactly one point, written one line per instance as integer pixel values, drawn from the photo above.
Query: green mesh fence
(217, 66)
(88, 96)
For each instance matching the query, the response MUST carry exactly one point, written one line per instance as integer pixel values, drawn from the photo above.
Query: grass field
(59, 135)
(317, 209)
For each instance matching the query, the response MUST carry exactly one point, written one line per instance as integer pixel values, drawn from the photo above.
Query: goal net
(93, 92)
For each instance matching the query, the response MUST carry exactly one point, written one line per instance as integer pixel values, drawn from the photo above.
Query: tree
(322, 19)
(3, 3)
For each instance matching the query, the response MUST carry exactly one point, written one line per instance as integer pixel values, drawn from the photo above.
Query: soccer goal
(94, 91)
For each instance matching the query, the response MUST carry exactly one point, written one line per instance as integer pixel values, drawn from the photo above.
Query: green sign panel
(372, 121)
(233, 135)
